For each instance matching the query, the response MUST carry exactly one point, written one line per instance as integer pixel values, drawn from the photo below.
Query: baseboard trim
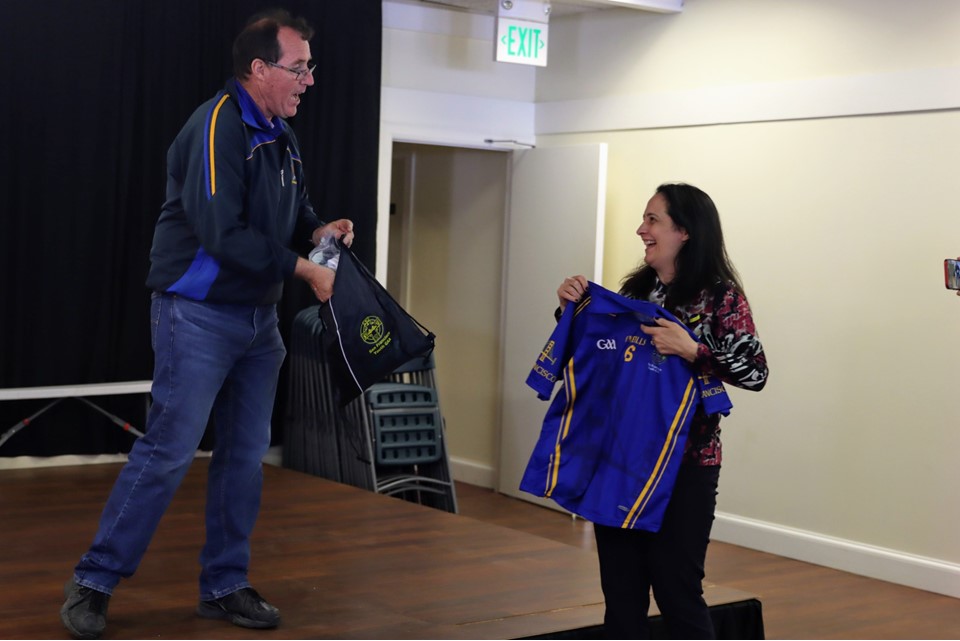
(875, 562)
(21, 462)
(472, 472)
(273, 456)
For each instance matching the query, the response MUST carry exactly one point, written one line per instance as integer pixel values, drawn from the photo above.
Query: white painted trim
(416, 16)
(68, 391)
(384, 186)
(472, 472)
(657, 6)
(407, 224)
(885, 564)
(274, 456)
(405, 16)
(601, 213)
(895, 92)
(23, 462)
(430, 117)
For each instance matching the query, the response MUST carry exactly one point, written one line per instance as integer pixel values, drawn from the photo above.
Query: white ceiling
(558, 7)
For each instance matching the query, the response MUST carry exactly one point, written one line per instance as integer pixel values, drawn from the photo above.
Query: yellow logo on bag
(372, 333)
(371, 329)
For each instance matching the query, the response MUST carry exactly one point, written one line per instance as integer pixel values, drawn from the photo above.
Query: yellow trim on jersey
(213, 128)
(665, 454)
(581, 305)
(570, 387)
(265, 142)
(570, 384)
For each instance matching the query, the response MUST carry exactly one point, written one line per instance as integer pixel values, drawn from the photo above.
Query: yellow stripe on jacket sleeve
(665, 453)
(210, 143)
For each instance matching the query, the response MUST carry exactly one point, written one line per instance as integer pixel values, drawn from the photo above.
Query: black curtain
(95, 92)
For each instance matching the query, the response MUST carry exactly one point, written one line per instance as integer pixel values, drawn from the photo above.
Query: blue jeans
(223, 359)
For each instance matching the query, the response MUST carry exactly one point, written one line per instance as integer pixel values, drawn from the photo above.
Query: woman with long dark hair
(686, 270)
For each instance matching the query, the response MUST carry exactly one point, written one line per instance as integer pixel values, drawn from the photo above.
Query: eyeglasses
(299, 73)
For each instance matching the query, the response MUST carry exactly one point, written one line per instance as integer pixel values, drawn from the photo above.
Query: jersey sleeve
(549, 364)
(713, 395)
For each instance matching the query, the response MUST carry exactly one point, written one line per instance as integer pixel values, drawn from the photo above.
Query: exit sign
(522, 42)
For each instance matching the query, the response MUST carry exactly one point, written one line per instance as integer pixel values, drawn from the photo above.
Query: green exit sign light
(522, 42)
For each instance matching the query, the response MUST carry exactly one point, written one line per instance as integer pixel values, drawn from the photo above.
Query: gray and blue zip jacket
(236, 200)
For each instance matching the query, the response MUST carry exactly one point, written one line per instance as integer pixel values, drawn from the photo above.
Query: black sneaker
(244, 607)
(85, 611)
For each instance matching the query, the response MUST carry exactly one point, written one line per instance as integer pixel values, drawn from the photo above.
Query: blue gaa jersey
(613, 437)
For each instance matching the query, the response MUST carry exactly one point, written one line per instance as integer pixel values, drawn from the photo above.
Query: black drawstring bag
(366, 333)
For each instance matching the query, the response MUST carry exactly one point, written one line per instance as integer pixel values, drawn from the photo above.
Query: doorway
(445, 266)
(478, 240)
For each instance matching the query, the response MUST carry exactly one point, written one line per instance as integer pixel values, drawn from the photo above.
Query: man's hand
(320, 279)
(342, 227)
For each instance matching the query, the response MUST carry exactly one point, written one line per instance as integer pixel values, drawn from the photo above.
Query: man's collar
(250, 112)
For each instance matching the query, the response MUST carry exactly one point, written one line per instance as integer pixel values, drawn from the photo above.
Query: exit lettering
(522, 42)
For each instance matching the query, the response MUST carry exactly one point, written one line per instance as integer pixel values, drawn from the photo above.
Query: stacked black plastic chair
(389, 440)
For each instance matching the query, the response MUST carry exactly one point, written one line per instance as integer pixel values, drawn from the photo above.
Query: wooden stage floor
(339, 562)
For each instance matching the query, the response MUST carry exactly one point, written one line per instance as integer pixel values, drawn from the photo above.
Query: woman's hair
(259, 39)
(702, 261)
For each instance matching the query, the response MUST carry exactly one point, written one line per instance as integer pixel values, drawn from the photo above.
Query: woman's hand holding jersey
(571, 290)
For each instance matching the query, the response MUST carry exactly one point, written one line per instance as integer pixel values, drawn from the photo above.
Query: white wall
(827, 131)
(717, 43)
(441, 84)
